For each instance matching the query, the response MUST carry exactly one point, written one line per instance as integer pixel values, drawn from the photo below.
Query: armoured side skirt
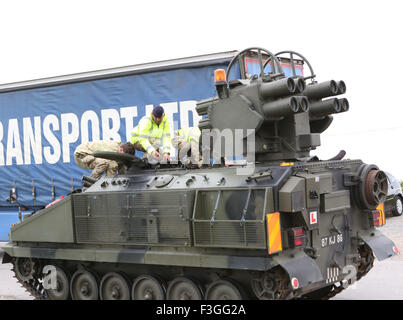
(145, 256)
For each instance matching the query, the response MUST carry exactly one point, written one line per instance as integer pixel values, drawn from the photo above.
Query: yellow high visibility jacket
(147, 129)
(188, 134)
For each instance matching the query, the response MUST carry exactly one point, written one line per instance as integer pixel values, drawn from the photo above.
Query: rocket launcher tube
(322, 90)
(281, 108)
(299, 85)
(278, 88)
(324, 108)
(303, 103)
(341, 87)
(344, 105)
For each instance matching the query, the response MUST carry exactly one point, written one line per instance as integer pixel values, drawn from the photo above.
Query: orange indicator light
(219, 76)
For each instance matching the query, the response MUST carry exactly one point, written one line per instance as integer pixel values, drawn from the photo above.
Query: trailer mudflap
(381, 245)
(301, 267)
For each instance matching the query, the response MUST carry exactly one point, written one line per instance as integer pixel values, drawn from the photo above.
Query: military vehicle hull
(288, 230)
(292, 227)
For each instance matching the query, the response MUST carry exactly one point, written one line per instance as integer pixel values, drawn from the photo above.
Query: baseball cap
(158, 111)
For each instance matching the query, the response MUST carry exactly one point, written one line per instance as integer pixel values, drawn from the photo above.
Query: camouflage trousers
(187, 149)
(97, 165)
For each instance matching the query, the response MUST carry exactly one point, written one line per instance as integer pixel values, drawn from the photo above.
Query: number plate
(331, 240)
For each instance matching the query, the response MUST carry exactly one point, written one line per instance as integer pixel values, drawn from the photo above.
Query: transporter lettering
(49, 139)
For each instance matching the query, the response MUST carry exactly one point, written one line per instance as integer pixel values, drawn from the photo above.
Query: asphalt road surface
(383, 282)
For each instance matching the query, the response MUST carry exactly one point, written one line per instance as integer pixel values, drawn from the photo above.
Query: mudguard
(381, 245)
(300, 266)
(5, 257)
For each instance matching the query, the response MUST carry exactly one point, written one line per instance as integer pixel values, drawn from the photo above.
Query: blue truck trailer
(43, 121)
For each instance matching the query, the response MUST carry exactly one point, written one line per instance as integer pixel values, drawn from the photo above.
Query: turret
(286, 114)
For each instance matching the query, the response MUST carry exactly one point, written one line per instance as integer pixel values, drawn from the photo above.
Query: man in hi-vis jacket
(153, 135)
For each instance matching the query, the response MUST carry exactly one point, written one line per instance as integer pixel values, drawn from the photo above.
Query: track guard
(6, 258)
(301, 267)
(382, 247)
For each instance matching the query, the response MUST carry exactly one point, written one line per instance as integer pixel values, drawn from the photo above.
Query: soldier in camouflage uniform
(187, 142)
(84, 158)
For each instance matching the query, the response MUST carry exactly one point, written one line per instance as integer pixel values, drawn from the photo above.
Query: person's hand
(156, 154)
(167, 157)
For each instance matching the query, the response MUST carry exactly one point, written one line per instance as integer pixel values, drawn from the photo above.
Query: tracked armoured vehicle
(282, 225)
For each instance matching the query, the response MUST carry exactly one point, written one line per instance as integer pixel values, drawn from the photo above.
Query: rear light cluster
(296, 237)
(377, 218)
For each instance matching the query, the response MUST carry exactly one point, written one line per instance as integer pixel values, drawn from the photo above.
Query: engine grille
(230, 218)
(134, 218)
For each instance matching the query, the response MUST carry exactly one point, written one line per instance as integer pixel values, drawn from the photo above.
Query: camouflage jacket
(103, 145)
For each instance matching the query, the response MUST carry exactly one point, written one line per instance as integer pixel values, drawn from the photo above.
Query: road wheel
(223, 290)
(115, 286)
(182, 288)
(146, 287)
(62, 288)
(398, 206)
(84, 285)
